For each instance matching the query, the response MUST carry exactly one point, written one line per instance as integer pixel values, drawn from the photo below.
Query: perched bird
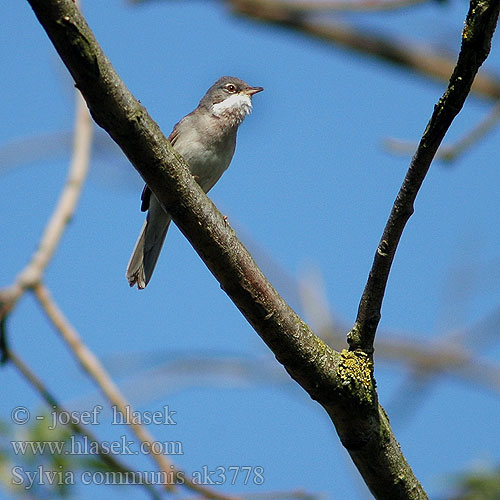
(206, 139)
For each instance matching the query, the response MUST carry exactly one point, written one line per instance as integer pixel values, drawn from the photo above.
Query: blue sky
(309, 188)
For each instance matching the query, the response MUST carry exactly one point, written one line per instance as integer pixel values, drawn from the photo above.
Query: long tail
(148, 247)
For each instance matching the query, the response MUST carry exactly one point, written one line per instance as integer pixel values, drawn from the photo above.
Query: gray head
(229, 98)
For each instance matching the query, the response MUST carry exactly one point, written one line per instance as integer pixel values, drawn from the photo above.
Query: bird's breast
(207, 158)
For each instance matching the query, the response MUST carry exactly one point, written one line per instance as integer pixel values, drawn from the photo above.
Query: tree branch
(420, 59)
(110, 460)
(450, 152)
(331, 5)
(93, 367)
(91, 364)
(418, 356)
(476, 42)
(66, 206)
(341, 382)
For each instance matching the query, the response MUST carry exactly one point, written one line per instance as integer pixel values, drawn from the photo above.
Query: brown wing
(173, 135)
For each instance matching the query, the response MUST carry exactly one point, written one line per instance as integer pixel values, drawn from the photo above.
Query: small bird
(206, 139)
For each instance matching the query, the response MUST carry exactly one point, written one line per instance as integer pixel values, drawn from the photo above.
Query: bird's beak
(253, 90)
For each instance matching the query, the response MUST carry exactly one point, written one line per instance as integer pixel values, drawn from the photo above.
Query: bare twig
(91, 364)
(423, 60)
(444, 356)
(450, 152)
(62, 214)
(333, 5)
(436, 358)
(41, 146)
(476, 42)
(67, 203)
(275, 495)
(93, 367)
(109, 459)
(343, 6)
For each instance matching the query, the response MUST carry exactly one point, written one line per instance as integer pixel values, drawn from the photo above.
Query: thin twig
(66, 206)
(476, 42)
(63, 212)
(450, 152)
(437, 358)
(91, 364)
(275, 495)
(109, 459)
(444, 356)
(334, 5)
(421, 59)
(343, 6)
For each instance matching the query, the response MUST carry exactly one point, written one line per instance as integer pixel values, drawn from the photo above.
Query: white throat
(235, 107)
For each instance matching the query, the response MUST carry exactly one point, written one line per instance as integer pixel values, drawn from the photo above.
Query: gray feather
(148, 247)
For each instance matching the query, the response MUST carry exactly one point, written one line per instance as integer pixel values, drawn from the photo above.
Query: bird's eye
(231, 88)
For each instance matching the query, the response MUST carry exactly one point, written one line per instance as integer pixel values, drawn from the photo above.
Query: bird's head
(230, 98)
